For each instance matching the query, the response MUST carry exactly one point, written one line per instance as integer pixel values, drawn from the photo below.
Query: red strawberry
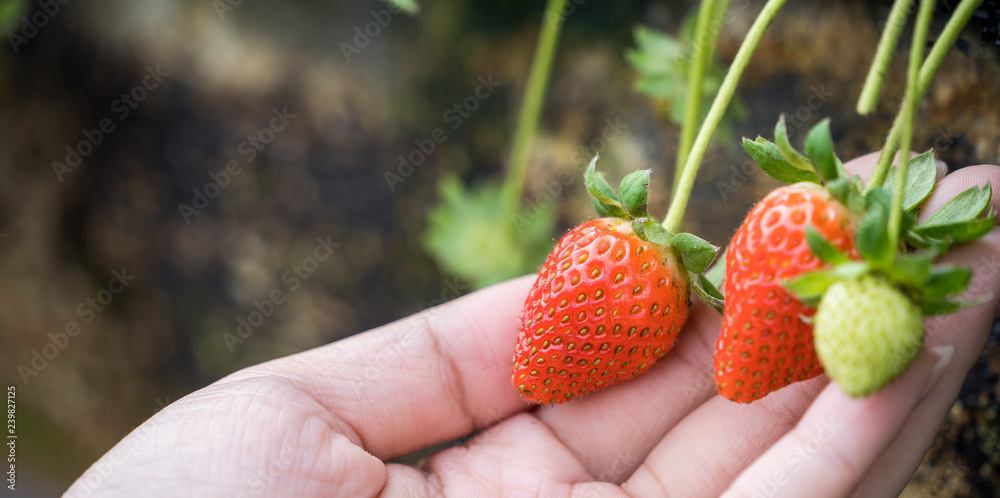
(605, 307)
(765, 343)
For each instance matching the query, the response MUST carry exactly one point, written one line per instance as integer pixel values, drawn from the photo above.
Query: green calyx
(906, 263)
(630, 202)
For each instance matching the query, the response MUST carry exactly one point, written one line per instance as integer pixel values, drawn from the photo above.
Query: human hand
(325, 422)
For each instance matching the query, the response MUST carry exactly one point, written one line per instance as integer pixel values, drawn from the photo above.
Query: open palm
(325, 422)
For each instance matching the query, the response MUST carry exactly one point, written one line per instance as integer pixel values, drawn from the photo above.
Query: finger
(837, 439)
(613, 451)
(870, 448)
(613, 430)
(508, 459)
(895, 465)
(685, 461)
(706, 451)
(423, 380)
(864, 165)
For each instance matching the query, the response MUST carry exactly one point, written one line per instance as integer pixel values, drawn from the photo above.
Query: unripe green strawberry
(866, 332)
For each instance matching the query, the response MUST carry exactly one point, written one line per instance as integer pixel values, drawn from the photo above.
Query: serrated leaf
(707, 291)
(771, 161)
(819, 150)
(652, 231)
(966, 206)
(822, 248)
(409, 6)
(945, 280)
(872, 236)
(634, 192)
(696, 253)
(809, 288)
(791, 155)
(920, 178)
(958, 232)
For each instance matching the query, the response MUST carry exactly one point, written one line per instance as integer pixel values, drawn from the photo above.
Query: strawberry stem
(883, 56)
(909, 111)
(527, 121)
(682, 190)
(704, 40)
(927, 71)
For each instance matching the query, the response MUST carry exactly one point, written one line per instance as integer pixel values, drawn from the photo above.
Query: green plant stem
(682, 192)
(883, 56)
(695, 83)
(531, 107)
(927, 71)
(909, 111)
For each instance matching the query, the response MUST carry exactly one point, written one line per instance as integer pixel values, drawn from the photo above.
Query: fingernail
(942, 168)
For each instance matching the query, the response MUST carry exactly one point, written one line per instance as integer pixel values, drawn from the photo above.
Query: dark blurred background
(180, 87)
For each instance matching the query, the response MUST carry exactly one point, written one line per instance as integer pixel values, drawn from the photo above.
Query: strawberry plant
(853, 302)
(480, 233)
(613, 295)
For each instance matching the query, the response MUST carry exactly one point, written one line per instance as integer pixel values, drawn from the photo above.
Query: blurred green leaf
(409, 6)
(10, 12)
(819, 149)
(663, 64)
(469, 236)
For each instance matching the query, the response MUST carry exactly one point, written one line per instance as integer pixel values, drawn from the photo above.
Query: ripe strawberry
(605, 307)
(867, 333)
(765, 343)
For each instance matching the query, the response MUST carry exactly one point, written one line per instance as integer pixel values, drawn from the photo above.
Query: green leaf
(851, 269)
(945, 280)
(958, 232)
(947, 306)
(847, 193)
(911, 268)
(872, 235)
(920, 178)
(409, 6)
(652, 231)
(696, 253)
(966, 206)
(717, 273)
(809, 288)
(707, 291)
(940, 307)
(822, 248)
(879, 196)
(598, 187)
(634, 192)
(470, 236)
(819, 149)
(605, 198)
(787, 151)
(771, 161)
